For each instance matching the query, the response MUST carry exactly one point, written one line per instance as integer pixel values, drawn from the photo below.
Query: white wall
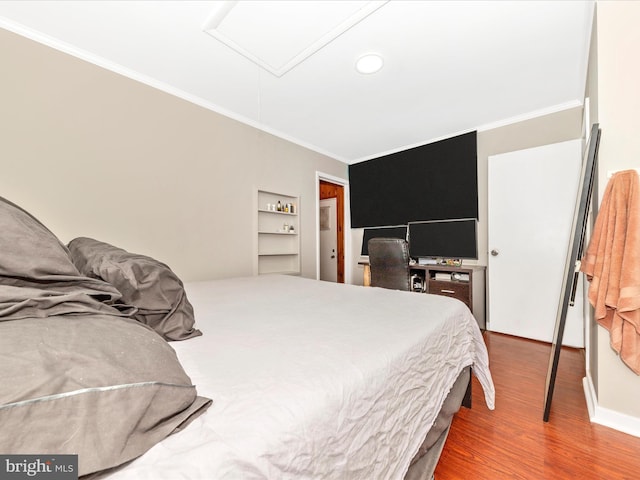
(92, 153)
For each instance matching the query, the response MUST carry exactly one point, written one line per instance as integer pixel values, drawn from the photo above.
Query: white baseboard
(609, 418)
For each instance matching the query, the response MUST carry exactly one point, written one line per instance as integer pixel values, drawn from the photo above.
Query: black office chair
(389, 263)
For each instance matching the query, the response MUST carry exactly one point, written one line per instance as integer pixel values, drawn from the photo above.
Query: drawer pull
(447, 291)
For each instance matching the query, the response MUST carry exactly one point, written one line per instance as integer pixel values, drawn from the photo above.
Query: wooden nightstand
(467, 284)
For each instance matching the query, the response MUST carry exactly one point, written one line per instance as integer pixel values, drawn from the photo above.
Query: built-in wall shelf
(278, 238)
(276, 212)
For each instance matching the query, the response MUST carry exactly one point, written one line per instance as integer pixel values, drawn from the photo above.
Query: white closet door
(532, 194)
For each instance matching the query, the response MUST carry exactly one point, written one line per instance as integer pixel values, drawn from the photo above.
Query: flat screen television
(398, 231)
(444, 239)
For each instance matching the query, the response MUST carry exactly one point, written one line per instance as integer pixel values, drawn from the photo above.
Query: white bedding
(314, 380)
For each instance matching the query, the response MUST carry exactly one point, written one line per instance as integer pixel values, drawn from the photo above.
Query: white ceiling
(449, 66)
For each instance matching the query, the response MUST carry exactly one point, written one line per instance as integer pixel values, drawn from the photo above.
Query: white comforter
(314, 380)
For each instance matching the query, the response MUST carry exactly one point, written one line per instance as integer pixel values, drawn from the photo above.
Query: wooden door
(332, 190)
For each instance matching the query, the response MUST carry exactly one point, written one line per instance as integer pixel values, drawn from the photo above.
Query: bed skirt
(424, 462)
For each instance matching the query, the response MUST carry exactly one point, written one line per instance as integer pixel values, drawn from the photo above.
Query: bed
(246, 378)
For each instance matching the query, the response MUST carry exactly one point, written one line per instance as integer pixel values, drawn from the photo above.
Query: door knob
(494, 252)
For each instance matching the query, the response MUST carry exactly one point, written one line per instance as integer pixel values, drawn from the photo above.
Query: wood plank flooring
(512, 442)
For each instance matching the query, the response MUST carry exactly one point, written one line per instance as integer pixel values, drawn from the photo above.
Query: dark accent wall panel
(430, 182)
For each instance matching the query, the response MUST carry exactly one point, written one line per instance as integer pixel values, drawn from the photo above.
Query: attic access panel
(278, 35)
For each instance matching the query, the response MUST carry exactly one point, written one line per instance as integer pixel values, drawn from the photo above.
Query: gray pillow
(103, 387)
(145, 283)
(37, 277)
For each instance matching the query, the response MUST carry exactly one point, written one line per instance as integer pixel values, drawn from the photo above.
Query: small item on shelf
(268, 206)
(279, 206)
(416, 283)
(428, 261)
(286, 228)
(293, 208)
(461, 277)
(286, 208)
(291, 229)
(446, 276)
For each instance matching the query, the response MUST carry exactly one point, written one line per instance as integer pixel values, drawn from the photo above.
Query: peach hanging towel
(612, 265)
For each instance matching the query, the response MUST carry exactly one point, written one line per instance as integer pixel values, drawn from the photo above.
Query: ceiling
(288, 67)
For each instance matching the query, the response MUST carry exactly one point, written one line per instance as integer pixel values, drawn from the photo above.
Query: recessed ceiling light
(369, 63)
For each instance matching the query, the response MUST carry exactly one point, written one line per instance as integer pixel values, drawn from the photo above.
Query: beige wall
(617, 110)
(92, 153)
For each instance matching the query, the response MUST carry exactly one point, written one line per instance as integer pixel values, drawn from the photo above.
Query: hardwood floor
(512, 442)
